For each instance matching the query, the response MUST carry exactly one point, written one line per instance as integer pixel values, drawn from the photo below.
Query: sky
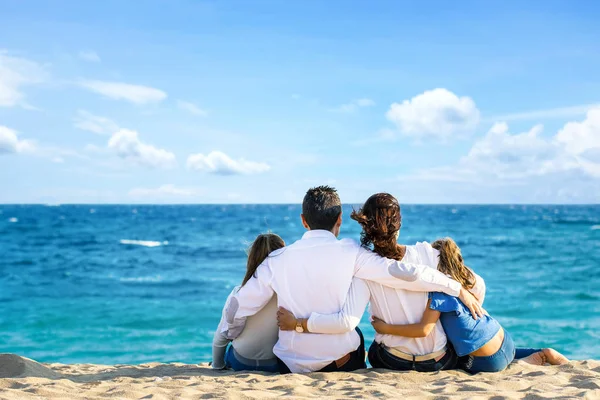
(256, 101)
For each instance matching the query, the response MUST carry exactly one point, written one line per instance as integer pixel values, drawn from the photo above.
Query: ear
(304, 223)
(339, 220)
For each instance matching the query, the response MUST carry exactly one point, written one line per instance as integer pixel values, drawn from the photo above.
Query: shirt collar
(318, 233)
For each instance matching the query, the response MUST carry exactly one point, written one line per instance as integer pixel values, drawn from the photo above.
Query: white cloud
(89, 56)
(435, 114)
(191, 108)
(10, 143)
(168, 190)
(127, 145)
(135, 94)
(570, 156)
(89, 122)
(14, 74)
(220, 163)
(354, 105)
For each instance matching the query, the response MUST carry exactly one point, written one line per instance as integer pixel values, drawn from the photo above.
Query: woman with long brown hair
(252, 350)
(381, 220)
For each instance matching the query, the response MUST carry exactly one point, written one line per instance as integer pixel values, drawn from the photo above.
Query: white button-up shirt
(314, 274)
(393, 305)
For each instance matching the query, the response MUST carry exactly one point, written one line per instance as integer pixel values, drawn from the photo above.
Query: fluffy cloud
(191, 108)
(127, 145)
(89, 122)
(435, 114)
(14, 74)
(220, 163)
(500, 157)
(10, 143)
(135, 94)
(169, 190)
(354, 105)
(89, 56)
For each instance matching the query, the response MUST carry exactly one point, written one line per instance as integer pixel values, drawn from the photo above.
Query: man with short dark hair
(314, 275)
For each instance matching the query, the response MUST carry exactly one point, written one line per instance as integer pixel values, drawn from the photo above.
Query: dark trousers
(357, 360)
(379, 357)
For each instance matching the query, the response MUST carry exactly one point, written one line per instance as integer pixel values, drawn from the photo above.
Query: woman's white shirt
(394, 306)
(256, 341)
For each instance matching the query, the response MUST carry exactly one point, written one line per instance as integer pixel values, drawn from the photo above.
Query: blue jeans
(356, 361)
(379, 357)
(237, 364)
(496, 362)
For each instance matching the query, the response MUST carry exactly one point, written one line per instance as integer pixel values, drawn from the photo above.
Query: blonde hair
(263, 245)
(452, 264)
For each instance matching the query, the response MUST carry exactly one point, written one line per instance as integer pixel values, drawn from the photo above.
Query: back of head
(260, 249)
(452, 264)
(321, 207)
(380, 219)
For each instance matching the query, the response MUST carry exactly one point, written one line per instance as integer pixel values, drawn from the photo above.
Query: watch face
(299, 329)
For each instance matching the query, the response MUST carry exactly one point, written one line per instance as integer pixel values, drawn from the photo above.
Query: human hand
(379, 325)
(471, 303)
(286, 320)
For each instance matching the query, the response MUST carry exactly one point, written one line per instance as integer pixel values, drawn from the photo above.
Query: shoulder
(347, 242)
(443, 302)
(425, 253)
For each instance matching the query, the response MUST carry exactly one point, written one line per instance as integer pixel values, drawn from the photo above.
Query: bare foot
(553, 357)
(546, 356)
(536, 358)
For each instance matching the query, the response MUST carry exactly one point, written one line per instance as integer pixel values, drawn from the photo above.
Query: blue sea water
(131, 284)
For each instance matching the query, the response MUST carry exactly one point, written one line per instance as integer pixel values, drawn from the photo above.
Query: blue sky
(255, 101)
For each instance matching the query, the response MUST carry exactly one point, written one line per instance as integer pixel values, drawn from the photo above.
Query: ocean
(116, 284)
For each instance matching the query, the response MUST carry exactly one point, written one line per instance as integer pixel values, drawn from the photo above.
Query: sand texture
(21, 378)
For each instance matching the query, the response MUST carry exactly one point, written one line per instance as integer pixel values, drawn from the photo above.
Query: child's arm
(421, 329)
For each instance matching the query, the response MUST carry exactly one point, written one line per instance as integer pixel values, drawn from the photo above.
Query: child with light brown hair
(482, 345)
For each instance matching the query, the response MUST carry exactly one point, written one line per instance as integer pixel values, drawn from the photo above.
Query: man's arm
(399, 275)
(344, 321)
(250, 299)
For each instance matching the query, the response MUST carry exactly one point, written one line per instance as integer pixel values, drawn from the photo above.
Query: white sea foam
(156, 278)
(595, 227)
(145, 243)
(13, 220)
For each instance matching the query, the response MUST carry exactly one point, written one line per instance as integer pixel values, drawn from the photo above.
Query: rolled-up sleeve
(400, 275)
(250, 299)
(349, 317)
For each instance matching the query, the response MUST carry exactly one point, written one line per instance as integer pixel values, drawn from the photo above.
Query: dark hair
(263, 245)
(452, 264)
(380, 220)
(321, 207)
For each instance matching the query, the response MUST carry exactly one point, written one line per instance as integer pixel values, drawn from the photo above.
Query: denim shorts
(238, 363)
(495, 363)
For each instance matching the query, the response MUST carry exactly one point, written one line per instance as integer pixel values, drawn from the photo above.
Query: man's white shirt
(314, 274)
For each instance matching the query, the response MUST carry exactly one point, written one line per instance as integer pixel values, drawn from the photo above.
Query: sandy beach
(21, 378)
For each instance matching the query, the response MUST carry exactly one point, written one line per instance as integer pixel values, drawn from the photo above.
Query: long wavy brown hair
(380, 219)
(451, 262)
(263, 245)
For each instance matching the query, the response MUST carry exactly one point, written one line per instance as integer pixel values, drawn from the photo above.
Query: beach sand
(21, 378)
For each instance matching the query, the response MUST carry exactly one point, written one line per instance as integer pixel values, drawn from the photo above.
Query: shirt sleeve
(349, 317)
(479, 289)
(250, 299)
(220, 341)
(399, 275)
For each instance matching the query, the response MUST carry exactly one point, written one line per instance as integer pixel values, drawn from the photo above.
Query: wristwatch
(299, 327)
